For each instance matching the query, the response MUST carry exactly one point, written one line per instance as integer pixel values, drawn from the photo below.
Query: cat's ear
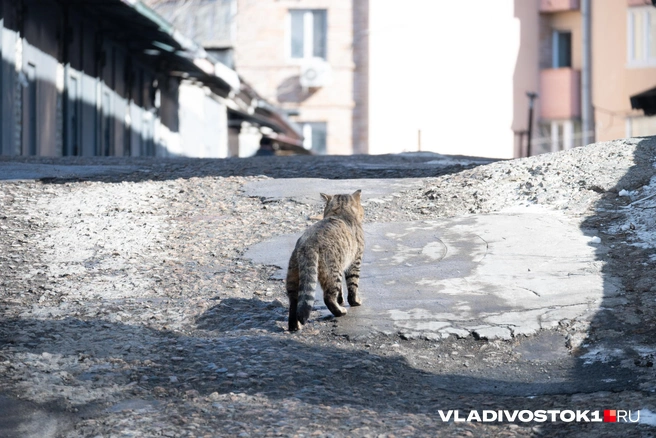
(326, 198)
(356, 195)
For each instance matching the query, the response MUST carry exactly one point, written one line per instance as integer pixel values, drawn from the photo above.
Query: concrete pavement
(491, 276)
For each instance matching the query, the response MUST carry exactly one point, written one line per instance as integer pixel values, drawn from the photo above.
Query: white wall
(445, 68)
(203, 125)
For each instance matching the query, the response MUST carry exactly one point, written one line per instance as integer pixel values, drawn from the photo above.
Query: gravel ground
(126, 308)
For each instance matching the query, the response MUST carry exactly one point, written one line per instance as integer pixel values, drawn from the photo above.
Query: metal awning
(645, 101)
(143, 31)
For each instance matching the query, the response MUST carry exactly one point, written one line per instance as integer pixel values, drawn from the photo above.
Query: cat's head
(343, 205)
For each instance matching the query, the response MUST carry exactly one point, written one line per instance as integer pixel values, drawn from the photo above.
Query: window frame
(308, 34)
(557, 50)
(308, 127)
(648, 14)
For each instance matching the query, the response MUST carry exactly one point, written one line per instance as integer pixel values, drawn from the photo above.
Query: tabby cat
(329, 250)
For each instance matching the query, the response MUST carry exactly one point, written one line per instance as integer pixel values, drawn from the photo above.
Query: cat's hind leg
(352, 275)
(331, 283)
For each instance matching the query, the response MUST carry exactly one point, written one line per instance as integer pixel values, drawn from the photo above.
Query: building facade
(624, 65)
(112, 78)
(214, 24)
(310, 58)
(622, 52)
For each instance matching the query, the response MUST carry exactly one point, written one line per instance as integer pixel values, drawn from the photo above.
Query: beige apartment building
(310, 58)
(622, 53)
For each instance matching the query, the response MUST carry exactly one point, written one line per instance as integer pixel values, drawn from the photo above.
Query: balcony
(560, 93)
(548, 6)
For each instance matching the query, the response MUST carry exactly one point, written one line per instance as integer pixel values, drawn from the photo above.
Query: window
(562, 49)
(641, 36)
(314, 137)
(308, 33)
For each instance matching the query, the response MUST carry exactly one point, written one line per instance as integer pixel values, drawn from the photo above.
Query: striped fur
(329, 251)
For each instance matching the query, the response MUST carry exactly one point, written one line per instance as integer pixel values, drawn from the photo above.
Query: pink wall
(558, 5)
(560, 93)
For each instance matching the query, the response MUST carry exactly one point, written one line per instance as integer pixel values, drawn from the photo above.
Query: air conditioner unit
(315, 72)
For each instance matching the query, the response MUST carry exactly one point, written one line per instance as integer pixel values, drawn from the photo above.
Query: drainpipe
(587, 112)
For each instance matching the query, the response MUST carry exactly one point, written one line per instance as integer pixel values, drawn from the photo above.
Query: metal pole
(587, 115)
(531, 97)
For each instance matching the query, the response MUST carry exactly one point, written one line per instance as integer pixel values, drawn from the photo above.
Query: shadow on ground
(250, 362)
(624, 337)
(228, 315)
(118, 169)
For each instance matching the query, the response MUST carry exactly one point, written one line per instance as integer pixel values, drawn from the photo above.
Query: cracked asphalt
(143, 297)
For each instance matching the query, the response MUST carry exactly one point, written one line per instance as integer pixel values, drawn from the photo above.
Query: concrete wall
(91, 96)
(203, 124)
(614, 80)
(262, 58)
(361, 76)
(9, 98)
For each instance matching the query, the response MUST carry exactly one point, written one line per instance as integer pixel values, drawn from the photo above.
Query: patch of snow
(526, 207)
(602, 355)
(647, 417)
(645, 349)
(640, 218)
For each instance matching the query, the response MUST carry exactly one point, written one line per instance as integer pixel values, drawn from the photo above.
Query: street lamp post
(531, 98)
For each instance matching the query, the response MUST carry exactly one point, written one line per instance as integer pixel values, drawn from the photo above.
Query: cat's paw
(303, 313)
(337, 310)
(354, 300)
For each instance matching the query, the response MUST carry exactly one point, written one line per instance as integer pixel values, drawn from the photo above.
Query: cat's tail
(307, 279)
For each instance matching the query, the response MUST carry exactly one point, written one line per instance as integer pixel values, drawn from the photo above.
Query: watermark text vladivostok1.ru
(541, 416)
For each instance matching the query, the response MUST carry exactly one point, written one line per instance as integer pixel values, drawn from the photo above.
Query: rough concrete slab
(492, 333)
(306, 190)
(495, 276)
(545, 347)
